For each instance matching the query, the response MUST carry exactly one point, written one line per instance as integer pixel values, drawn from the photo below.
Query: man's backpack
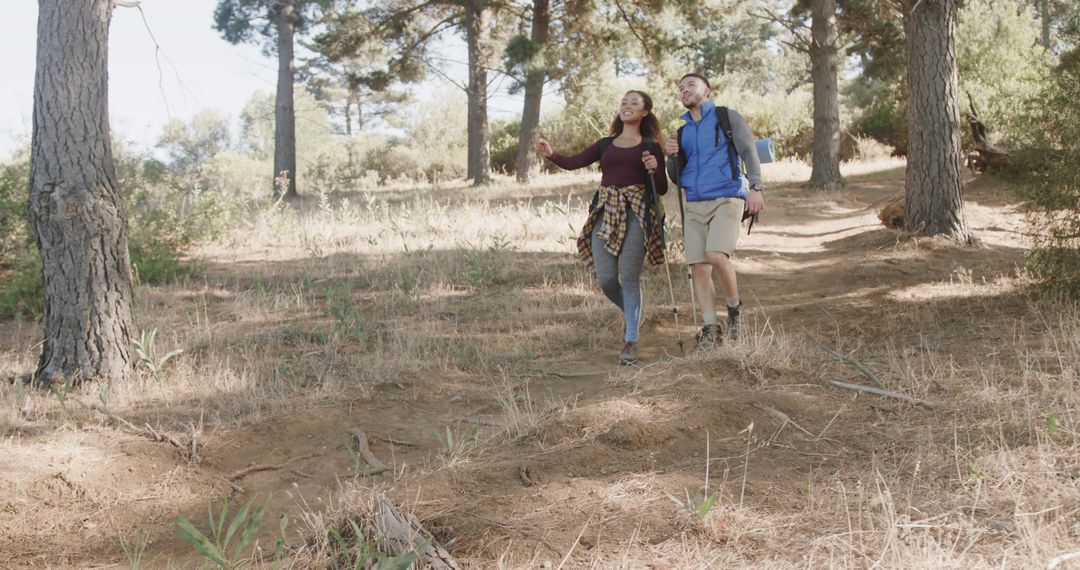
(723, 122)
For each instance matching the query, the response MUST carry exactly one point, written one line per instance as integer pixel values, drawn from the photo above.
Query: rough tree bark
(823, 65)
(478, 39)
(1044, 18)
(934, 184)
(284, 14)
(75, 211)
(534, 91)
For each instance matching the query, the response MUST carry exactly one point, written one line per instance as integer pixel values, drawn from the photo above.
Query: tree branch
(633, 29)
(796, 30)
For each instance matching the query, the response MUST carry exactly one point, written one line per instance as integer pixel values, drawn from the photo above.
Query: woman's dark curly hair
(650, 126)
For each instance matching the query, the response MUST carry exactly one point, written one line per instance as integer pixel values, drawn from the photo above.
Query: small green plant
(105, 395)
(135, 549)
(465, 356)
(224, 547)
(319, 336)
(146, 348)
(526, 352)
(479, 265)
(1051, 422)
(358, 462)
(453, 448)
(699, 505)
(975, 474)
(367, 553)
(349, 321)
(279, 545)
(61, 391)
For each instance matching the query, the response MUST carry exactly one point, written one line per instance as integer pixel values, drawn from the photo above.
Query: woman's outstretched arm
(579, 160)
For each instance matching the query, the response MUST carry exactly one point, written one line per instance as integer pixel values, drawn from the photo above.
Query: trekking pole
(651, 185)
(682, 220)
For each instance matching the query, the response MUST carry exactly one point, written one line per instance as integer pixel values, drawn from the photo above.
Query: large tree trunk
(75, 211)
(535, 70)
(1044, 16)
(934, 186)
(478, 38)
(823, 64)
(284, 111)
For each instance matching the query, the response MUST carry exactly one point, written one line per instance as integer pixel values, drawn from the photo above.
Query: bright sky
(198, 70)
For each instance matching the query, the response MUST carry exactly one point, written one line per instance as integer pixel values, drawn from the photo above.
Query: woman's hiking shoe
(629, 353)
(734, 316)
(708, 337)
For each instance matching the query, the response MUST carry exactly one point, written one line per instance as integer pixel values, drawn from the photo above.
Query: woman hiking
(623, 227)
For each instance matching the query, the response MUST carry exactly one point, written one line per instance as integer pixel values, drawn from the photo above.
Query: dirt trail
(598, 446)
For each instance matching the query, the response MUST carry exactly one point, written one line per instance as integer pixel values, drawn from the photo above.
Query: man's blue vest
(707, 174)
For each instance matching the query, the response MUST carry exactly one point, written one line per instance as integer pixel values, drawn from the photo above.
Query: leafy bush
(1047, 166)
(20, 270)
(21, 289)
(504, 145)
(999, 62)
(163, 224)
(885, 120)
(14, 231)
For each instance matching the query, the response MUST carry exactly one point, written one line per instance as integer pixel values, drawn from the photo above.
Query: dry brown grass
(407, 311)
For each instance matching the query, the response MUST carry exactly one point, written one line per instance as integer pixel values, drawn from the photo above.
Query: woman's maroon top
(620, 166)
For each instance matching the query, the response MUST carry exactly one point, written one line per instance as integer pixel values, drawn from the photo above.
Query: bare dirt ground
(461, 312)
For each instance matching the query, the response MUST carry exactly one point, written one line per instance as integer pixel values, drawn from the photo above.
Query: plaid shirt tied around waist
(612, 203)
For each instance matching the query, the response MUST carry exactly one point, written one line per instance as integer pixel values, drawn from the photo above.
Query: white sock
(733, 302)
(709, 318)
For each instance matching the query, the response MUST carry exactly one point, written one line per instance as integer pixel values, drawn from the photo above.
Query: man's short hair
(698, 76)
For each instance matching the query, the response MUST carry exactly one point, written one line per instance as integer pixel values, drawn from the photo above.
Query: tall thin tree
(821, 45)
(478, 43)
(75, 210)
(535, 74)
(277, 22)
(419, 21)
(824, 61)
(934, 181)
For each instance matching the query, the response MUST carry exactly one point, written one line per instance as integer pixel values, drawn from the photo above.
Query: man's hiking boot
(708, 337)
(629, 353)
(734, 316)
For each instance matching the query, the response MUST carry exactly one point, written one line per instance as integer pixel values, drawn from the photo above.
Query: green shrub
(163, 224)
(21, 293)
(14, 230)
(1046, 163)
(999, 62)
(885, 121)
(504, 145)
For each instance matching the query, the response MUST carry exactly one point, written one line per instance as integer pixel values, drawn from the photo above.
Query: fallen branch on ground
(148, 432)
(523, 475)
(1059, 560)
(880, 392)
(400, 534)
(784, 418)
(375, 466)
(397, 442)
(862, 370)
(240, 474)
(255, 469)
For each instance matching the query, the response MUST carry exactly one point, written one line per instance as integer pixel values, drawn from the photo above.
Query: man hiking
(707, 152)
